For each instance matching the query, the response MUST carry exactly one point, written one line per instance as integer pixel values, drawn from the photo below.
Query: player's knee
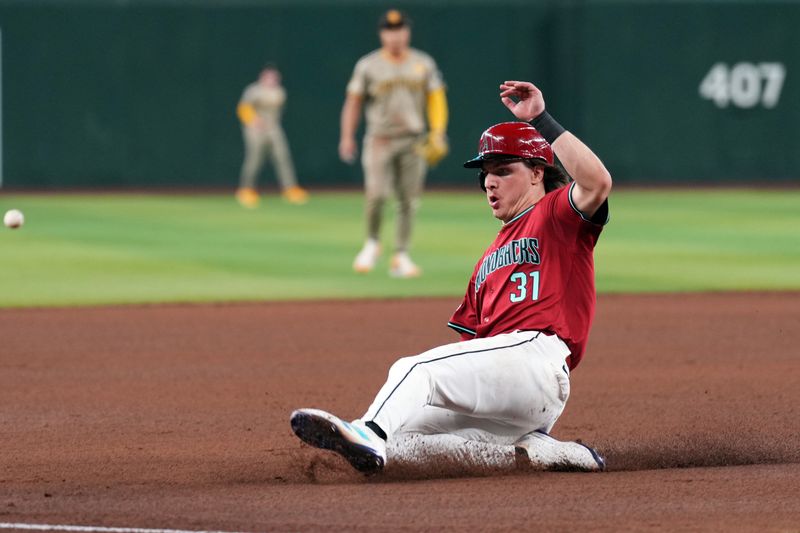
(376, 201)
(407, 205)
(404, 366)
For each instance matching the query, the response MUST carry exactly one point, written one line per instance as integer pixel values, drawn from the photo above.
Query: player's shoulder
(419, 55)
(369, 58)
(553, 196)
(547, 205)
(251, 90)
(561, 203)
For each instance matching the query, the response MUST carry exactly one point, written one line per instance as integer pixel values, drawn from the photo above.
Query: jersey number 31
(520, 293)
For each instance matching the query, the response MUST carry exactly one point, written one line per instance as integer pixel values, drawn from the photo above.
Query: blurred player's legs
(257, 145)
(410, 169)
(391, 163)
(284, 168)
(376, 160)
(367, 256)
(254, 147)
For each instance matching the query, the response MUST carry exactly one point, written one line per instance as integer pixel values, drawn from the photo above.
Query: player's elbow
(604, 183)
(594, 191)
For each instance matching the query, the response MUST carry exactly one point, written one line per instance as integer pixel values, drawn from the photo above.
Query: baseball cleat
(540, 451)
(248, 197)
(363, 449)
(367, 257)
(403, 267)
(295, 195)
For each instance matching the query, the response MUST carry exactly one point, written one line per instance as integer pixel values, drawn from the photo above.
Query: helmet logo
(487, 144)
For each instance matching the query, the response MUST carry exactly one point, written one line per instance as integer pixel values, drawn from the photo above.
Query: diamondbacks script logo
(517, 252)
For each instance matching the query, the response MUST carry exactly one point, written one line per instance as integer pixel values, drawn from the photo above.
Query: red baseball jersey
(538, 274)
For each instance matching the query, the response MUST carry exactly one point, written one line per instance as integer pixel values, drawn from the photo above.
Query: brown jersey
(266, 101)
(395, 93)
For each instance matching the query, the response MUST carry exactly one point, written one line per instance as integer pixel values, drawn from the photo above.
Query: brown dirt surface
(177, 417)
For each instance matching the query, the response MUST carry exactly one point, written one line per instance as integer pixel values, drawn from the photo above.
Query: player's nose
(491, 181)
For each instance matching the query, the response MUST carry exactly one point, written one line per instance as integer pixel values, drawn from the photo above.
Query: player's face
(270, 77)
(511, 187)
(395, 41)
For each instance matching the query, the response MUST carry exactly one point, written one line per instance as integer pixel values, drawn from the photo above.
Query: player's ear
(537, 174)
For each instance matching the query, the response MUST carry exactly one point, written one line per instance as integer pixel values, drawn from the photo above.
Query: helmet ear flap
(482, 179)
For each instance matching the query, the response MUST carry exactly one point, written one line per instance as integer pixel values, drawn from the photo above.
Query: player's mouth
(494, 201)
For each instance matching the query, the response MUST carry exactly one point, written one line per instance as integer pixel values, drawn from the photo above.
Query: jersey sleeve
(570, 222)
(435, 80)
(358, 81)
(465, 318)
(248, 95)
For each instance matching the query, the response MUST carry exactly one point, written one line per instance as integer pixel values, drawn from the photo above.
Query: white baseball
(14, 218)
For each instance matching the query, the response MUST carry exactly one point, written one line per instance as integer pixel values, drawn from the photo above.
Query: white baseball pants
(494, 390)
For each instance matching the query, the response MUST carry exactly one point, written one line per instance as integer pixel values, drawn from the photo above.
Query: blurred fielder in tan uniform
(259, 111)
(398, 86)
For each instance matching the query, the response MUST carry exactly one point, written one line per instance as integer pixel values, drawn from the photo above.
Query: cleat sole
(323, 434)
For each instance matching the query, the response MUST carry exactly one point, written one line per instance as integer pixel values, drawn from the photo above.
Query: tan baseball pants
(260, 142)
(392, 164)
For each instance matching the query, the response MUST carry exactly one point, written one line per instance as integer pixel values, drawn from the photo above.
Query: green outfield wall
(142, 93)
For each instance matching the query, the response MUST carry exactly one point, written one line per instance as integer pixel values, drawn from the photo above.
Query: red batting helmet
(512, 140)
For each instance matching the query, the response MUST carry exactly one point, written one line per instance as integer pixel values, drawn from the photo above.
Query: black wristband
(548, 127)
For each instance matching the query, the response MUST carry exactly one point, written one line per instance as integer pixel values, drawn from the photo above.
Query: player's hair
(554, 176)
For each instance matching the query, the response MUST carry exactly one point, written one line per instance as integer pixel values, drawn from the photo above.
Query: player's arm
(348, 125)
(438, 112)
(435, 147)
(592, 180)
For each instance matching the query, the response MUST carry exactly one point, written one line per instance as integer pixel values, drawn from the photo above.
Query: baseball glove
(434, 148)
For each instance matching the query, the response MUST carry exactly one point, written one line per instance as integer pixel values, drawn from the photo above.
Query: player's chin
(498, 213)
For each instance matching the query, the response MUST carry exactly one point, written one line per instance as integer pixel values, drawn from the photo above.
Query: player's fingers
(508, 88)
(522, 86)
(508, 102)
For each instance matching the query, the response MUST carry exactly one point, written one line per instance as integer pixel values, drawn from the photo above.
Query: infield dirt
(177, 417)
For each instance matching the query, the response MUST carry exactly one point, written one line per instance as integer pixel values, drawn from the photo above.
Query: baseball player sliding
(397, 85)
(259, 111)
(525, 317)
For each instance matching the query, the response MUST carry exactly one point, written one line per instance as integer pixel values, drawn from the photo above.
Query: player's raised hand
(522, 98)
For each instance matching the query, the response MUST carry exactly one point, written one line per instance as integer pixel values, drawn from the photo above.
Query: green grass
(101, 249)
